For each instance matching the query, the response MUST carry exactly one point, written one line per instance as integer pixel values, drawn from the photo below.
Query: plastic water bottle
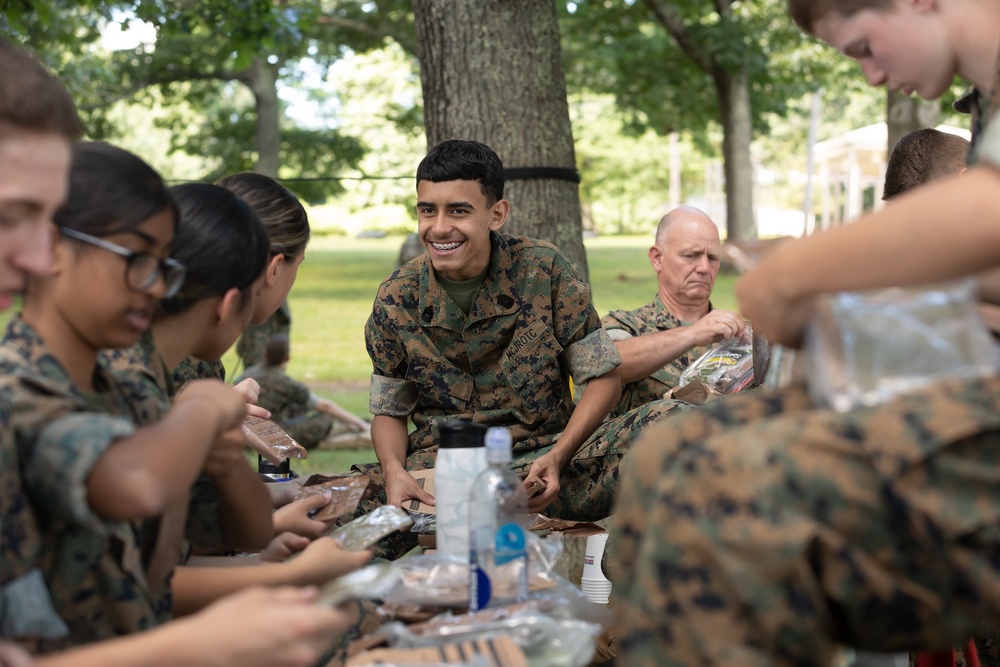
(498, 511)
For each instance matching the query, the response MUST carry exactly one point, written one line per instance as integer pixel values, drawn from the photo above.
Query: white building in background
(850, 172)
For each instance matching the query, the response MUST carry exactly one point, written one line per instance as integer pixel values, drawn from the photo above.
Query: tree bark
(905, 114)
(737, 125)
(491, 71)
(262, 78)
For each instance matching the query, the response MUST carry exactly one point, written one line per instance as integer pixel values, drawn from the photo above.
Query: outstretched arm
(942, 230)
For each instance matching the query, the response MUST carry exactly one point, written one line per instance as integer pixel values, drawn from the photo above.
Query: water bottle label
(510, 544)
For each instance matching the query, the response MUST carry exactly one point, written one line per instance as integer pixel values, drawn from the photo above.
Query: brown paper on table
(425, 480)
(345, 494)
(270, 441)
(578, 528)
(498, 652)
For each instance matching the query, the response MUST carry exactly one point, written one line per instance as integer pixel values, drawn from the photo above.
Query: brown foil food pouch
(345, 493)
(270, 441)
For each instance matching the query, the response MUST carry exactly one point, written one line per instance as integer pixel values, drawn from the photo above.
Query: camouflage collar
(498, 295)
(25, 354)
(657, 312)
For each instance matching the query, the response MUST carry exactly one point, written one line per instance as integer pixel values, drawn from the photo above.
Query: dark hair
(281, 212)
(111, 191)
(220, 240)
(457, 160)
(31, 98)
(806, 13)
(921, 157)
(276, 350)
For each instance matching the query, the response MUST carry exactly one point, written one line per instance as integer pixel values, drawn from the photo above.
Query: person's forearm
(601, 396)
(644, 355)
(390, 440)
(942, 230)
(141, 475)
(194, 588)
(246, 509)
(166, 646)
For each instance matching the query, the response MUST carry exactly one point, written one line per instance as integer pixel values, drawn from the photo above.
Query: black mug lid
(461, 434)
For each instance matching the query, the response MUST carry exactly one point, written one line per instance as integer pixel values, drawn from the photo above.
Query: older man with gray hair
(661, 339)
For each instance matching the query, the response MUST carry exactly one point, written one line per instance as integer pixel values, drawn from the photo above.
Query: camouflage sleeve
(66, 452)
(390, 394)
(384, 348)
(591, 357)
(204, 519)
(573, 314)
(621, 322)
(394, 397)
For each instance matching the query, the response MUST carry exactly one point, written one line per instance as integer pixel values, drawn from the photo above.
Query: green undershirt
(463, 292)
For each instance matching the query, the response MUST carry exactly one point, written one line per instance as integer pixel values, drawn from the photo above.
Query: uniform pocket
(531, 366)
(441, 385)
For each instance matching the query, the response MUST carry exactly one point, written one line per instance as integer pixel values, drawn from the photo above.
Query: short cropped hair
(276, 350)
(921, 157)
(806, 13)
(457, 160)
(31, 98)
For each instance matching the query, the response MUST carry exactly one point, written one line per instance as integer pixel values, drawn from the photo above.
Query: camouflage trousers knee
(588, 483)
(763, 531)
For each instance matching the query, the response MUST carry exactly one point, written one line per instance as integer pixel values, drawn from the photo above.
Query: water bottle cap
(498, 445)
(461, 434)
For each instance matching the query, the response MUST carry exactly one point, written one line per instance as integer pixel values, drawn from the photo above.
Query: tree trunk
(906, 114)
(263, 81)
(734, 104)
(491, 71)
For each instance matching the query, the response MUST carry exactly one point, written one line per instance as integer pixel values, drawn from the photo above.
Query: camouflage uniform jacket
(95, 569)
(284, 396)
(193, 368)
(507, 363)
(142, 365)
(651, 318)
(25, 605)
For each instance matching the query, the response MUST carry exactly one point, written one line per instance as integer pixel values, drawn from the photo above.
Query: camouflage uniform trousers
(801, 528)
(589, 482)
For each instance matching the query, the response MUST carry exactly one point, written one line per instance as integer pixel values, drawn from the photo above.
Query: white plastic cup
(596, 587)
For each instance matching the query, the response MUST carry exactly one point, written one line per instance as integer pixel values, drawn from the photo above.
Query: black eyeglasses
(142, 269)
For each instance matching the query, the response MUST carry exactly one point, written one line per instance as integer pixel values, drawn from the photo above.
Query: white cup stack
(596, 587)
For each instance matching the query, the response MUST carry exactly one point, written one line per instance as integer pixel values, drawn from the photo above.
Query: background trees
(328, 90)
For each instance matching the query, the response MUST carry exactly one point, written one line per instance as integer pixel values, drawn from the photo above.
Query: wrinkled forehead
(690, 235)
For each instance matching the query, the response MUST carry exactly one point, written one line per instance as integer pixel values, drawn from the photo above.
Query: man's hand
(779, 319)
(545, 469)
(250, 390)
(717, 325)
(402, 486)
(226, 454)
(325, 559)
(294, 517)
(278, 627)
(228, 405)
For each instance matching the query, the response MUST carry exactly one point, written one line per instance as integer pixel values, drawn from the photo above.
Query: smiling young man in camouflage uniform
(490, 327)
(763, 531)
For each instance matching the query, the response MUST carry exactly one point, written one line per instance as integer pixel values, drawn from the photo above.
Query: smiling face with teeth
(455, 219)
